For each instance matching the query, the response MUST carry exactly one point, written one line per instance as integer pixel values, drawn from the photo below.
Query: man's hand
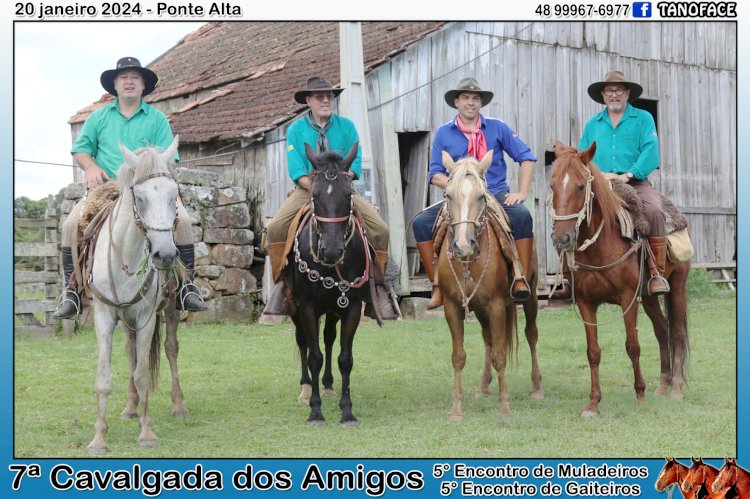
(622, 178)
(95, 176)
(514, 198)
(305, 182)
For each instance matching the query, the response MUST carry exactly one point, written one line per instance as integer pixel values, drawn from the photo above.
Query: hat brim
(595, 90)
(300, 97)
(450, 96)
(150, 80)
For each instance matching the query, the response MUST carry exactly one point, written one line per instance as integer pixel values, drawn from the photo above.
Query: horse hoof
(180, 413)
(481, 393)
(96, 450)
(537, 394)
(588, 413)
(316, 422)
(128, 415)
(353, 423)
(455, 417)
(677, 395)
(305, 394)
(661, 390)
(147, 443)
(329, 392)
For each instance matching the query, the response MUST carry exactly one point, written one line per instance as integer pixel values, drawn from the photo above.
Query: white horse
(132, 279)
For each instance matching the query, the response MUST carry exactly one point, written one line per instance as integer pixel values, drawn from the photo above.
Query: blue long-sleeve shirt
(632, 146)
(500, 138)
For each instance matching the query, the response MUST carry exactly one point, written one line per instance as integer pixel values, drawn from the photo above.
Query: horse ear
(448, 162)
(559, 148)
(350, 157)
(130, 157)
(693, 459)
(310, 153)
(486, 161)
(588, 155)
(168, 155)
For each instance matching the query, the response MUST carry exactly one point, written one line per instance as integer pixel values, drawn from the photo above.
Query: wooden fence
(25, 309)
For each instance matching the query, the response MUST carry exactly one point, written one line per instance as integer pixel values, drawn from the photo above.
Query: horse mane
(569, 163)
(150, 163)
(333, 161)
(463, 167)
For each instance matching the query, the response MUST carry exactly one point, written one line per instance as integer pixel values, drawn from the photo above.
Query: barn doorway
(414, 154)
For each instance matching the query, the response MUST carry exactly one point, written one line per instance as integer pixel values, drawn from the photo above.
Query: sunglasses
(321, 97)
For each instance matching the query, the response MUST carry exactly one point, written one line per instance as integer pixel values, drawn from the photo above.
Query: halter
(583, 214)
(348, 234)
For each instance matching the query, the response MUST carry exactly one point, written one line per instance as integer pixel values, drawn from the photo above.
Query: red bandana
(477, 142)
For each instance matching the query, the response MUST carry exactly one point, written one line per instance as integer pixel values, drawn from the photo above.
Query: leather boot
(657, 259)
(521, 290)
(277, 303)
(427, 254)
(70, 302)
(190, 298)
(383, 299)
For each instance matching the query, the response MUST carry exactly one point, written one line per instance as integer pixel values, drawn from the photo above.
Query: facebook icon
(641, 9)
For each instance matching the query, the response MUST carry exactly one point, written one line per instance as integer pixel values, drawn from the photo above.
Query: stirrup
(76, 301)
(187, 289)
(512, 284)
(659, 278)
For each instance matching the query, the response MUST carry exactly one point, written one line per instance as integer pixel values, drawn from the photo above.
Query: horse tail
(154, 356)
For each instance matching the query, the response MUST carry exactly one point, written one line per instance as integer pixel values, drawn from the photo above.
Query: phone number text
(574, 10)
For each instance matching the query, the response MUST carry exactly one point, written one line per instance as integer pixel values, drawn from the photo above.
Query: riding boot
(383, 299)
(657, 259)
(277, 303)
(520, 289)
(70, 302)
(190, 298)
(426, 254)
(565, 290)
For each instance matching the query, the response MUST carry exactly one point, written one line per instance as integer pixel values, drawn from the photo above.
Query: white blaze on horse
(133, 278)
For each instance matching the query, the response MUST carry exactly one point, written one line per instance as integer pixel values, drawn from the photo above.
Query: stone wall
(224, 250)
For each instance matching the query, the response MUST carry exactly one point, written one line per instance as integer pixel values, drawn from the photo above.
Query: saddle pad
(98, 198)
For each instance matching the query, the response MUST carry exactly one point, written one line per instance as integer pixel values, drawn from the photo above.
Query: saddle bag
(679, 247)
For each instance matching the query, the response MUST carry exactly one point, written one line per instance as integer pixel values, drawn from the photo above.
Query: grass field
(241, 387)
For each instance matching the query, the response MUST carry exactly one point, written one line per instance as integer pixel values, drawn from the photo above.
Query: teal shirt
(106, 127)
(341, 137)
(630, 147)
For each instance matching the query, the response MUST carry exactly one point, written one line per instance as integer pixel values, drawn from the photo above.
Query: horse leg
(486, 377)
(329, 338)
(172, 349)
(500, 334)
(454, 315)
(309, 323)
(676, 301)
(633, 347)
(131, 402)
(349, 323)
(104, 323)
(142, 378)
(661, 331)
(594, 354)
(304, 381)
(530, 310)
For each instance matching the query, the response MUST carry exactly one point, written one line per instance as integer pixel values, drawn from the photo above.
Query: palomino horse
(473, 276)
(133, 288)
(606, 268)
(672, 475)
(699, 479)
(331, 266)
(732, 480)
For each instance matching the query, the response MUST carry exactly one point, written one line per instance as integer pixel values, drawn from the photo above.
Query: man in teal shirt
(627, 149)
(128, 119)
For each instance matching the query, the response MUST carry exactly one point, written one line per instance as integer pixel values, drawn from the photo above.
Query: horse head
(670, 474)
(332, 203)
(147, 181)
(466, 203)
(699, 475)
(727, 476)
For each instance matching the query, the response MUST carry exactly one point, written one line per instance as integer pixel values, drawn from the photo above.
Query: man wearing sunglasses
(324, 131)
(627, 149)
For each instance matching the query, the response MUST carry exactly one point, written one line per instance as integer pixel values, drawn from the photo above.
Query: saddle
(633, 221)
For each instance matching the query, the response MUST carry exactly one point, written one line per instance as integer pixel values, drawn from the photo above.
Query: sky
(56, 73)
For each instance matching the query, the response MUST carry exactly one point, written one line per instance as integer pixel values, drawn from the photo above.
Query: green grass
(241, 387)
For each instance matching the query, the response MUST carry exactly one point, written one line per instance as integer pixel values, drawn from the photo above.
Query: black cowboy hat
(468, 85)
(107, 78)
(314, 85)
(595, 89)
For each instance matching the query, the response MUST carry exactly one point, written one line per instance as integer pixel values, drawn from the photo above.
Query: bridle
(315, 220)
(584, 214)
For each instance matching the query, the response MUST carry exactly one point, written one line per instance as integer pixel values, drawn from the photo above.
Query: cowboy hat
(468, 85)
(316, 84)
(595, 89)
(150, 79)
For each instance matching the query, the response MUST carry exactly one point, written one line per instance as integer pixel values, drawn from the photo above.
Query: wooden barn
(228, 90)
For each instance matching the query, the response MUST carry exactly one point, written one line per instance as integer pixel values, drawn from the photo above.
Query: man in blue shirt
(131, 121)
(472, 134)
(627, 149)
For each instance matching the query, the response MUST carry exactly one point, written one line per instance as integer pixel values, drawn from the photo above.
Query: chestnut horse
(607, 268)
(732, 481)
(699, 480)
(672, 475)
(473, 276)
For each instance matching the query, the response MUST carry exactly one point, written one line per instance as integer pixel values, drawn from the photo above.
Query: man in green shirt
(128, 119)
(324, 131)
(627, 149)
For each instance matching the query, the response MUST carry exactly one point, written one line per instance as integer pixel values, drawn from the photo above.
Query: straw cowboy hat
(468, 85)
(595, 89)
(315, 84)
(150, 79)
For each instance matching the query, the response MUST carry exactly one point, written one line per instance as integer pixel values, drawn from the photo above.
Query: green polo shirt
(341, 137)
(106, 127)
(632, 146)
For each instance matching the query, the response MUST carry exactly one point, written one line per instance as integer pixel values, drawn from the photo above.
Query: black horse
(331, 269)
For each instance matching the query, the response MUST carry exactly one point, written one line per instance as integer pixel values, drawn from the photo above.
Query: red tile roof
(255, 68)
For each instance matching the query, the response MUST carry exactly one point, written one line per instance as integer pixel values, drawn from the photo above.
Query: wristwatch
(630, 176)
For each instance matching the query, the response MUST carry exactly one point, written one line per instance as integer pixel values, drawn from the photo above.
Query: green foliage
(241, 387)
